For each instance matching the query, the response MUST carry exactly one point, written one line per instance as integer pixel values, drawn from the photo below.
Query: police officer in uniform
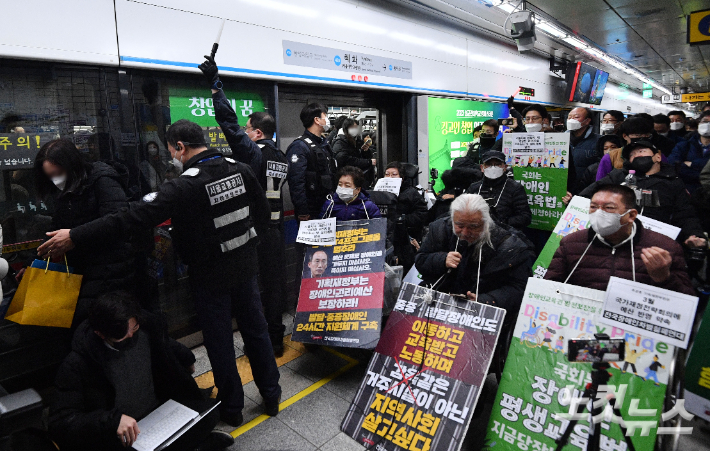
(217, 209)
(312, 166)
(254, 146)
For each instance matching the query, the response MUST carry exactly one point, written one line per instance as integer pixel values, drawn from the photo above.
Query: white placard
(318, 232)
(528, 143)
(650, 311)
(660, 227)
(389, 185)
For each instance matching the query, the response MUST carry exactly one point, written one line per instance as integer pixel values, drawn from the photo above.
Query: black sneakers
(217, 441)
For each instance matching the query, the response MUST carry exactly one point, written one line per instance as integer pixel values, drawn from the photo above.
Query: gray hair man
(471, 255)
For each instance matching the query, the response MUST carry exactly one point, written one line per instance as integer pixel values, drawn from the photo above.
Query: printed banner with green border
(533, 388)
(196, 105)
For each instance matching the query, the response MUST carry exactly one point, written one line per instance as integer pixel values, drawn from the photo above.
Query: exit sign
(529, 92)
(648, 93)
(647, 86)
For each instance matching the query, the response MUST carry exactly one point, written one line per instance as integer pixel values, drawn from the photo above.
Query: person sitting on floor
(123, 366)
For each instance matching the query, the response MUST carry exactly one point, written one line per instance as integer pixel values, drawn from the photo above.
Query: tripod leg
(562, 441)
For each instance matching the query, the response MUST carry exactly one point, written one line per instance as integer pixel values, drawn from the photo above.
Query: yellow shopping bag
(46, 296)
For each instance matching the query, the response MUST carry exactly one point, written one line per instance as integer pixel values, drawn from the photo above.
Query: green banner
(697, 372)
(575, 217)
(196, 105)
(538, 382)
(451, 124)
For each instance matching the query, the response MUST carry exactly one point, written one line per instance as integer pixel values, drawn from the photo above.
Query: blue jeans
(651, 375)
(214, 312)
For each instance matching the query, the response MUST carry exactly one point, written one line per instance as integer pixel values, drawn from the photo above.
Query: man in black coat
(470, 164)
(506, 197)
(121, 368)
(469, 242)
(673, 204)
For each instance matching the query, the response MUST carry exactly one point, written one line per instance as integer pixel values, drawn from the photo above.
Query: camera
(596, 350)
(507, 121)
(434, 173)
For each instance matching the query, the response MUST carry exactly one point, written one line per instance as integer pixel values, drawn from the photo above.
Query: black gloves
(510, 101)
(209, 68)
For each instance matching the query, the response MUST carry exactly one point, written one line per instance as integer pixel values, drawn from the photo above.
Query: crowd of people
(227, 217)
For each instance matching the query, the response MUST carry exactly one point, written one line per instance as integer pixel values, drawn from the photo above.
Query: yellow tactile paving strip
(292, 351)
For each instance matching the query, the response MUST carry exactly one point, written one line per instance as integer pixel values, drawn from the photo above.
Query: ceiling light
(575, 42)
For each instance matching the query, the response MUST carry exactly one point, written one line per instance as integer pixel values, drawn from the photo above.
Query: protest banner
(317, 232)
(575, 217)
(389, 184)
(697, 372)
(425, 377)
(342, 288)
(538, 382)
(542, 171)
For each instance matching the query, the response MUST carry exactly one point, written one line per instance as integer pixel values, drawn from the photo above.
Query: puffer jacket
(505, 267)
(347, 154)
(675, 208)
(507, 199)
(108, 267)
(82, 416)
(602, 261)
(360, 208)
(411, 205)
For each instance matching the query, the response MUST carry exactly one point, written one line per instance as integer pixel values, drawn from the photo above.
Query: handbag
(46, 296)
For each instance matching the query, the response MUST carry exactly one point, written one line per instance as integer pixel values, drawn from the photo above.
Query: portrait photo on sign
(317, 263)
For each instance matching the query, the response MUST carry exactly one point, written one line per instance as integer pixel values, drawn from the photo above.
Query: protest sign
(389, 184)
(318, 232)
(342, 288)
(425, 377)
(543, 173)
(575, 217)
(533, 390)
(660, 227)
(697, 372)
(655, 312)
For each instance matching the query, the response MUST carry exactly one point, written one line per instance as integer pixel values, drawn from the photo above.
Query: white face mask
(353, 132)
(664, 134)
(493, 172)
(606, 129)
(573, 124)
(704, 128)
(677, 126)
(60, 181)
(326, 127)
(152, 151)
(605, 223)
(533, 128)
(345, 194)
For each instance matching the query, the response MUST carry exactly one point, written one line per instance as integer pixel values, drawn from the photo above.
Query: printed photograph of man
(318, 263)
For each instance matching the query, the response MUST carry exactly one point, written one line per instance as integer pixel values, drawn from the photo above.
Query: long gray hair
(471, 203)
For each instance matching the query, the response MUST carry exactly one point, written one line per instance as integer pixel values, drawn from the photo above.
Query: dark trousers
(214, 312)
(272, 264)
(626, 365)
(197, 434)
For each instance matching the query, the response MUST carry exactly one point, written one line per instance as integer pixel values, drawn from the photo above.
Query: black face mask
(642, 164)
(559, 128)
(487, 141)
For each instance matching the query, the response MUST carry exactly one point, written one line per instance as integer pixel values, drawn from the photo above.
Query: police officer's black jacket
(110, 265)
(265, 159)
(675, 206)
(82, 414)
(507, 199)
(311, 173)
(217, 209)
